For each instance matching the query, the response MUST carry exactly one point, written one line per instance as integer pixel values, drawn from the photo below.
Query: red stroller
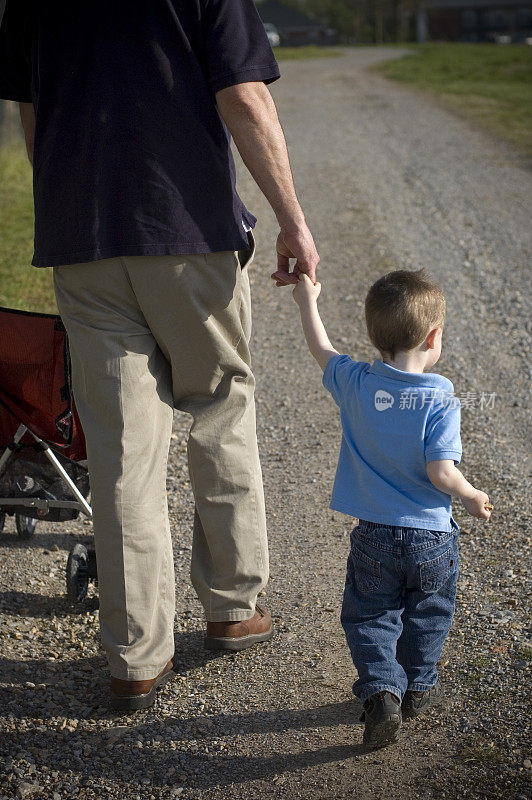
(42, 447)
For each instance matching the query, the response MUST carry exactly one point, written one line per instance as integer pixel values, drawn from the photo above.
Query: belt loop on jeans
(398, 534)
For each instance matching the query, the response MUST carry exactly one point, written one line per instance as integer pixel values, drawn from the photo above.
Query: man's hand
(297, 244)
(478, 505)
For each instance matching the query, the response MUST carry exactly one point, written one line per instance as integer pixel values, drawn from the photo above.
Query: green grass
(310, 51)
(480, 662)
(487, 83)
(21, 285)
(479, 748)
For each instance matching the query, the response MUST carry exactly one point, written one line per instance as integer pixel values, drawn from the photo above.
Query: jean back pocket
(434, 574)
(367, 571)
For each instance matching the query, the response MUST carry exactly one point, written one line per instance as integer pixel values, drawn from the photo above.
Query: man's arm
(249, 112)
(27, 117)
(445, 476)
(306, 296)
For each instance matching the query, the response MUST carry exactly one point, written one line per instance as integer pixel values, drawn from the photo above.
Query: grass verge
(310, 51)
(21, 285)
(487, 83)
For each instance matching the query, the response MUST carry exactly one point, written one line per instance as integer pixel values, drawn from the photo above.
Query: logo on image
(383, 400)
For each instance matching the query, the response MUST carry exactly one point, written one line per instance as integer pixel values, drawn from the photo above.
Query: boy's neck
(407, 361)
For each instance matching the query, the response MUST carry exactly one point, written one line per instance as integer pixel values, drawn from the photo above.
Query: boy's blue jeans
(398, 605)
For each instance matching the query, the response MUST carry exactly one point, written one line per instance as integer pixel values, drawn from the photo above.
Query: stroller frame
(40, 432)
(43, 505)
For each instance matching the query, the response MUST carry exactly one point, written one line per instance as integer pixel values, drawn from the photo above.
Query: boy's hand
(306, 290)
(479, 505)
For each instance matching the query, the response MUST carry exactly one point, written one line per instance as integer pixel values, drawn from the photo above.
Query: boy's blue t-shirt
(393, 424)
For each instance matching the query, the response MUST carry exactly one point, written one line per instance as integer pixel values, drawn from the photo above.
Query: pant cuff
(139, 673)
(365, 692)
(239, 615)
(421, 687)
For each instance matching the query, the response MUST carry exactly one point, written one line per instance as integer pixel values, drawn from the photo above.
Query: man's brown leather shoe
(134, 695)
(239, 635)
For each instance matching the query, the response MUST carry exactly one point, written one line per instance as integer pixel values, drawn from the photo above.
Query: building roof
(283, 16)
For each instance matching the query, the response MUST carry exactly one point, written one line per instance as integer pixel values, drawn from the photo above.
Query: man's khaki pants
(147, 334)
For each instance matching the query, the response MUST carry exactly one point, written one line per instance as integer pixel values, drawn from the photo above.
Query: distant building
(294, 27)
(476, 20)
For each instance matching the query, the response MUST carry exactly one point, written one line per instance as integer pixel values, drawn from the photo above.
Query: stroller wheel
(77, 573)
(25, 526)
(2, 520)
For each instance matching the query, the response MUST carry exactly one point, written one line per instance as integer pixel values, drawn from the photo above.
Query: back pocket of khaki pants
(433, 574)
(367, 571)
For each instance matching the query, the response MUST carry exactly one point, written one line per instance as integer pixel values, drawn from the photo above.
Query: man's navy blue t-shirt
(131, 155)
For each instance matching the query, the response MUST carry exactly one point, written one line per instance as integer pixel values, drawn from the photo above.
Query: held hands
(299, 244)
(478, 505)
(306, 290)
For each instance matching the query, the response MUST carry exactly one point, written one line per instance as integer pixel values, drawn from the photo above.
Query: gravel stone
(26, 789)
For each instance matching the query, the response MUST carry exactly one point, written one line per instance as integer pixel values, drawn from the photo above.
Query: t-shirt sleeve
(15, 72)
(442, 436)
(339, 376)
(237, 49)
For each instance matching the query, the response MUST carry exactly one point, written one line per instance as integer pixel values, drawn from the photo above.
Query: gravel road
(387, 178)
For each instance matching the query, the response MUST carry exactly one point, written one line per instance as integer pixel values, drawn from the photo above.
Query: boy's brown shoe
(134, 695)
(239, 635)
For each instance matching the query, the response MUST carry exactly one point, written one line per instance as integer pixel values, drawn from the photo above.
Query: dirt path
(387, 178)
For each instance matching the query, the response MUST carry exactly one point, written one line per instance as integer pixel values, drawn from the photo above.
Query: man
(123, 107)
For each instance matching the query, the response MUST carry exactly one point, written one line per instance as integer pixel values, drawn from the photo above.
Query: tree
(363, 21)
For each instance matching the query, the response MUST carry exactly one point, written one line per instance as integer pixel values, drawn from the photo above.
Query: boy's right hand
(478, 505)
(306, 290)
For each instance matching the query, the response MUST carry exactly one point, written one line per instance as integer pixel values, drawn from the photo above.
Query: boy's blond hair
(401, 308)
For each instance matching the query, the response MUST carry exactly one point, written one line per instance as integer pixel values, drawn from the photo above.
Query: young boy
(396, 474)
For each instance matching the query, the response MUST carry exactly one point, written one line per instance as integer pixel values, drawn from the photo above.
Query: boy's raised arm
(306, 295)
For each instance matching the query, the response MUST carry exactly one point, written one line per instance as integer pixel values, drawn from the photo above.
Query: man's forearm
(251, 117)
(27, 117)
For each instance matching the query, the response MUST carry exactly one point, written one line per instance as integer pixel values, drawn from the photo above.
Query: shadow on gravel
(190, 653)
(41, 689)
(44, 541)
(78, 687)
(28, 604)
(50, 691)
(327, 716)
(204, 770)
(219, 771)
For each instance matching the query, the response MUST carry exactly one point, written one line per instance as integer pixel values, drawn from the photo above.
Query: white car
(272, 33)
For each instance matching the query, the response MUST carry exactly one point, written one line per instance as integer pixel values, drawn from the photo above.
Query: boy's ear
(431, 338)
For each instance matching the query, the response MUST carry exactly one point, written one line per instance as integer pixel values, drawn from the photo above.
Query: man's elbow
(243, 99)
